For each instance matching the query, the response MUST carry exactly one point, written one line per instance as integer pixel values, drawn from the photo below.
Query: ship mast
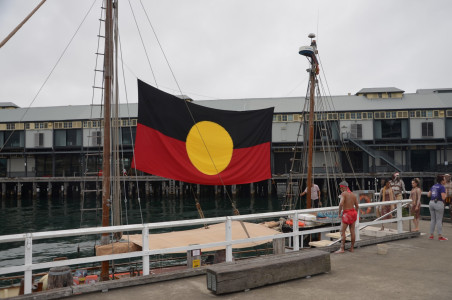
(108, 76)
(310, 51)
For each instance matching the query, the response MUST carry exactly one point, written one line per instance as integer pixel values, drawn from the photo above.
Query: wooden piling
(147, 189)
(34, 189)
(59, 277)
(233, 190)
(49, 189)
(19, 190)
(65, 185)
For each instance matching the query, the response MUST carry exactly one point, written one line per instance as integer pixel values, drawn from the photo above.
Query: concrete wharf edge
(91, 291)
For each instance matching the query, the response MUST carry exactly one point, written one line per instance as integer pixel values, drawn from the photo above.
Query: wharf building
(380, 130)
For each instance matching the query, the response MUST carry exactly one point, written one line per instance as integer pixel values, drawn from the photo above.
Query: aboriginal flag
(193, 143)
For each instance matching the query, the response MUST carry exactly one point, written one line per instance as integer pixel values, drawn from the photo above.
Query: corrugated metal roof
(338, 103)
(61, 113)
(7, 104)
(419, 100)
(380, 90)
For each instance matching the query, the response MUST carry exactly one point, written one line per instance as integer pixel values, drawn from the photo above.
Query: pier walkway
(416, 268)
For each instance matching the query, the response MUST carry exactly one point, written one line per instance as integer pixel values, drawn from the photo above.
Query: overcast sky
(223, 49)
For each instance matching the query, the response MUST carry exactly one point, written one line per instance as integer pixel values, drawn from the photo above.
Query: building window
(97, 138)
(69, 137)
(10, 126)
(449, 113)
(427, 129)
(391, 129)
(39, 139)
(128, 135)
(356, 131)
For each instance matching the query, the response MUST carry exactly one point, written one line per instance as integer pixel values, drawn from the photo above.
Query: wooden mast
(311, 134)
(313, 71)
(108, 70)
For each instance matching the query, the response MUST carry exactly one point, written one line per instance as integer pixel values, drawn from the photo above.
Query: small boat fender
(290, 223)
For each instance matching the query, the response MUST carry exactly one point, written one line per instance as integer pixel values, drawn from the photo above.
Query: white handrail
(228, 242)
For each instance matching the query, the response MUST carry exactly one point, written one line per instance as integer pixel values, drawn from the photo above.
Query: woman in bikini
(415, 206)
(386, 194)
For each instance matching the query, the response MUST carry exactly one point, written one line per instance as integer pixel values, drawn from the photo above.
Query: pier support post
(146, 188)
(19, 190)
(34, 189)
(65, 185)
(252, 189)
(3, 189)
(234, 190)
(130, 188)
(97, 189)
(198, 190)
(215, 190)
(49, 189)
(269, 186)
(181, 188)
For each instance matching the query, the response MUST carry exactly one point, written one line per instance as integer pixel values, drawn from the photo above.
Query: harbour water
(46, 214)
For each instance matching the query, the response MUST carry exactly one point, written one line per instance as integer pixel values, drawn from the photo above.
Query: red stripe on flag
(164, 156)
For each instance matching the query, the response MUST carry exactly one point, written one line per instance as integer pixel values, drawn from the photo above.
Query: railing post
(145, 235)
(357, 238)
(399, 218)
(296, 244)
(28, 263)
(228, 225)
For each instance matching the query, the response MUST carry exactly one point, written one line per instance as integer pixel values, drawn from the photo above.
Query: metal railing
(28, 267)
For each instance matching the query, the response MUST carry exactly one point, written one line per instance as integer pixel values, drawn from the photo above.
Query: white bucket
(382, 249)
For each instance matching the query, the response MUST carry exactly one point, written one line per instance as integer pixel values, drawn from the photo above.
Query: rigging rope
(142, 42)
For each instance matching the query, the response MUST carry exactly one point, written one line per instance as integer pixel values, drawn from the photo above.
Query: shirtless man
(349, 207)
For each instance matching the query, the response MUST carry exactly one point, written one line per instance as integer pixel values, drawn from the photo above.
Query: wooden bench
(251, 273)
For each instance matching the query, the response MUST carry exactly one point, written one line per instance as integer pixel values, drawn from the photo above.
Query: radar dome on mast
(311, 50)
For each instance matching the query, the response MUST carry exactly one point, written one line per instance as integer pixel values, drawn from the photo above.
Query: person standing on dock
(315, 195)
(448, 187)
(349, 207)
(415, 206)
(437, 196)
(386, 194)
(398, 186)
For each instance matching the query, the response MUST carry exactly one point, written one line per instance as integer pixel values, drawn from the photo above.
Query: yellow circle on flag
(209, 147)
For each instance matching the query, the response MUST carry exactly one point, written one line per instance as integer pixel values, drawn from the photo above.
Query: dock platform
(412, 268)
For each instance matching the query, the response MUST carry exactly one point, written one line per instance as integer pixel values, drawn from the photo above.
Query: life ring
(367, 200)
(290, 223)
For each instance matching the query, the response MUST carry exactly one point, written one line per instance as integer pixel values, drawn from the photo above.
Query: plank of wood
(252, 273)
(321, 243)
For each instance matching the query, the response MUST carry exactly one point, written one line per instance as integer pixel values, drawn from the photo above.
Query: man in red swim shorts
(349, 207)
